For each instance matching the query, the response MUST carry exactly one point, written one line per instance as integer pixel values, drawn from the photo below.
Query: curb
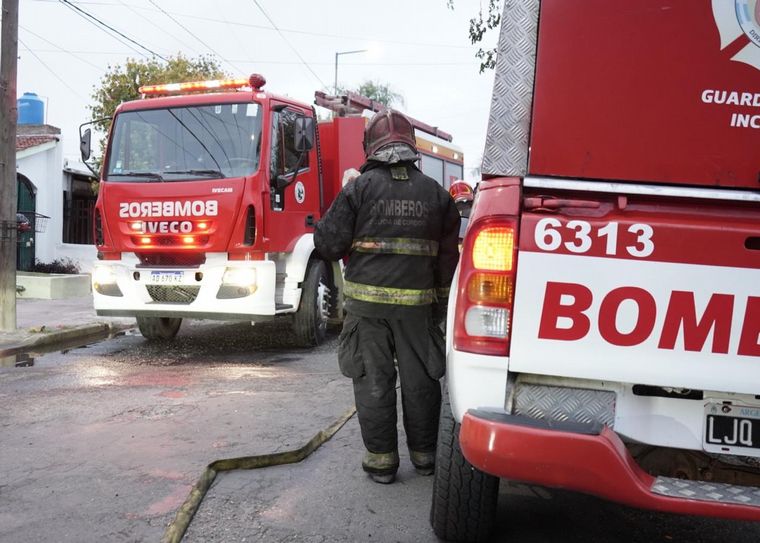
(55, 337)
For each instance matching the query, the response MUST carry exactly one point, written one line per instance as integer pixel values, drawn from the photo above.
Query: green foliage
(63, 265)
(479, 26)
(121, 83)
(379, 92)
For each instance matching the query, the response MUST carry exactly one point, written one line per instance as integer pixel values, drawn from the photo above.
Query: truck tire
(464, 498)
(158, 328)
(310, 321)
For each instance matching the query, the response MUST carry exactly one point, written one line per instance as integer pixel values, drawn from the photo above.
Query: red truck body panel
(341, 148)
(654, 91)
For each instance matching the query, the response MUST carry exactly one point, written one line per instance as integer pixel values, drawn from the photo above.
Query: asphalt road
(104, 443)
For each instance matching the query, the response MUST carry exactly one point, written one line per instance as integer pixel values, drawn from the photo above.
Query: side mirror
(85, 145)
(281, 182)
(304, 134)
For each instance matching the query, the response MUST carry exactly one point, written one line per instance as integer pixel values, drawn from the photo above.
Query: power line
(103, 29)
(49, 69)
(285, 30)
(336, 36)
(99, 68)
(421, 64)
(130, 8)
(288, 42)
(194, 36)
(112, 29)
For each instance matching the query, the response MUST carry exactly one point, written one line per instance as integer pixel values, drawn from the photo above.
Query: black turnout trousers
(370, 351)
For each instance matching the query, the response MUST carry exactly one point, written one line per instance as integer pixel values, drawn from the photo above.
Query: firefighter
(399, 229)
(463, 196)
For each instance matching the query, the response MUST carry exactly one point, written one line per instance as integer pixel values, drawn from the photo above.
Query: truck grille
(173, 294)
(185, 260)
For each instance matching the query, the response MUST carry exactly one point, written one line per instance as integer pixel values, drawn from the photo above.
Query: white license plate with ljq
(732, 429)
(166, 277)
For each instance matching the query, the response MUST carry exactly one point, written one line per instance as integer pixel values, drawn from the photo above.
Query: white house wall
(45, 170)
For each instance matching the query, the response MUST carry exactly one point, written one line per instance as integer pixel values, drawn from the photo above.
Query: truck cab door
(294, 191)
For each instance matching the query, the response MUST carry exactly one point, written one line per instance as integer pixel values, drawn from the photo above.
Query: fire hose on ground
(176, 530)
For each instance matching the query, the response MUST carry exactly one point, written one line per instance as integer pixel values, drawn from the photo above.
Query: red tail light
(485, 292)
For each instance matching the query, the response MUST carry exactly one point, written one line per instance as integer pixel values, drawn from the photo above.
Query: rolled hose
(176, 530)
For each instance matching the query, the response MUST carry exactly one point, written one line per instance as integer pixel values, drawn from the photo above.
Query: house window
(78, 211)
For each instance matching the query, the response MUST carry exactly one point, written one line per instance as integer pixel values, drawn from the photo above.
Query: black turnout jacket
(399, 229)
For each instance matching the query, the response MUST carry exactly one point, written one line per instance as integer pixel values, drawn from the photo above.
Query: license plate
(732, 429)
(166, 277)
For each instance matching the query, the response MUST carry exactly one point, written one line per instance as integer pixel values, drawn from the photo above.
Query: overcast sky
(419, 47)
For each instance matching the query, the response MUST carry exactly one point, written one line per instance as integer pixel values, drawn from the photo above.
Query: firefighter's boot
(424, 462)
(381, 467)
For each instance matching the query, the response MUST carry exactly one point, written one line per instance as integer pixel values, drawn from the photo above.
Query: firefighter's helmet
(461, 192)
(386, 127)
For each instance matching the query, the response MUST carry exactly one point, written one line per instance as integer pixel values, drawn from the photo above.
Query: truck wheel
(160, 328)
(310, 321)
(464, 498)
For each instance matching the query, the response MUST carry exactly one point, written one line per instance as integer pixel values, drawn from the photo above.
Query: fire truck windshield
(185, 143)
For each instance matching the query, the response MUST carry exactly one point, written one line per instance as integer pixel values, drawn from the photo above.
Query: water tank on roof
(31, 109)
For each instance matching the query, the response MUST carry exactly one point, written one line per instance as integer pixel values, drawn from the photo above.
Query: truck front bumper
(590, 458)
(199, 292)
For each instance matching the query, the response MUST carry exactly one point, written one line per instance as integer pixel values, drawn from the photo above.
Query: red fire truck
(208, 197)
(604, 325)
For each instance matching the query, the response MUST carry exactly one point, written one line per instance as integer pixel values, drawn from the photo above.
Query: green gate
(27, 205)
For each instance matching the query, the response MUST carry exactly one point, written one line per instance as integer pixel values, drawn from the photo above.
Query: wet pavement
(103, 443)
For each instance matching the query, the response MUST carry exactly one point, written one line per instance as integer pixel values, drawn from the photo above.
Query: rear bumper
(588, 458)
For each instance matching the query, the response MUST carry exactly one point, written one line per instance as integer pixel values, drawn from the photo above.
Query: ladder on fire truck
(350, 104)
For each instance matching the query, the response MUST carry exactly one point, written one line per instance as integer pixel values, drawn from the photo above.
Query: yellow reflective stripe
(397, 246)
(442, 292)
(388, 295)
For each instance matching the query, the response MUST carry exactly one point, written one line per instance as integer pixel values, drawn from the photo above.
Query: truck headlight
(103, 275)
(104, 281)
(237, 283)
(239, 277)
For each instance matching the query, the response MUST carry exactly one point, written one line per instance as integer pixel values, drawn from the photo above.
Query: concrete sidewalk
(45, 323)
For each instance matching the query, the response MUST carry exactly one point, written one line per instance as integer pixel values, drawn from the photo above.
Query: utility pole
(8, 113)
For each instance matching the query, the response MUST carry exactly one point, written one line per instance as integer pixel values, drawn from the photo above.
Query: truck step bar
(590, 458)
(708, 492)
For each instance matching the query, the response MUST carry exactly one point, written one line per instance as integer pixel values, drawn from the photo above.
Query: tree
(479, 26)
(379, 92)
(121, 83)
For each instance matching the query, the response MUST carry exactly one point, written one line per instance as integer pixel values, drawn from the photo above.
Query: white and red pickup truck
(604, 325)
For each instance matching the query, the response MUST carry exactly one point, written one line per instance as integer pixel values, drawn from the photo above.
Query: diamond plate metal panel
(565, 404)
(506, 151)
(709, 492)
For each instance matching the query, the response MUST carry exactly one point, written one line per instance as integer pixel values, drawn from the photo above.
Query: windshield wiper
(210, 173)
(147, 175)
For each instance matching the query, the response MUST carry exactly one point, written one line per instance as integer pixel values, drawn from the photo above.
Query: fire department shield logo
(300, 192)
(738, 23)
(748, 15)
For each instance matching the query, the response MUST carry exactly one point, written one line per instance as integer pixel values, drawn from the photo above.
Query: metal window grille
(78, 221)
